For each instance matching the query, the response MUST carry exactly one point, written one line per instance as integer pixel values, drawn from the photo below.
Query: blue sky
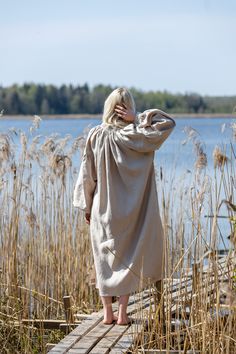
(175, 45)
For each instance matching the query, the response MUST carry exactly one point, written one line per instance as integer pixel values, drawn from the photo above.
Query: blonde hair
(120, 96)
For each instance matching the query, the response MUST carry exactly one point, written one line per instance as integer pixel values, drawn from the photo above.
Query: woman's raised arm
(148, 132)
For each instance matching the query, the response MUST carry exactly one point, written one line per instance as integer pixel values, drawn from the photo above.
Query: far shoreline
(99, 116)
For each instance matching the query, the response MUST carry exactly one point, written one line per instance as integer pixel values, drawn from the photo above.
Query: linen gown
(116, 185)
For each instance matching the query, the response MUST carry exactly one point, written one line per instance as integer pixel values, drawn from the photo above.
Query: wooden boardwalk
(92, 336)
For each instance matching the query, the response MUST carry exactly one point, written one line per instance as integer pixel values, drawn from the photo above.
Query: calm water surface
(209, 130)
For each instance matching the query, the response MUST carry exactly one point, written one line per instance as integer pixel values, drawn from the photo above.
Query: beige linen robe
(116, 184)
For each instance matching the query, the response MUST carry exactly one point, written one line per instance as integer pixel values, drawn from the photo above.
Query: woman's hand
(87, 218)
(125, 113)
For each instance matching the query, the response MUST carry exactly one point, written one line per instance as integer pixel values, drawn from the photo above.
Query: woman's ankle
(123, 320)
(109, 317)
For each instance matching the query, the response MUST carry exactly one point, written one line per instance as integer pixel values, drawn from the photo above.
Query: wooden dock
(92, 336)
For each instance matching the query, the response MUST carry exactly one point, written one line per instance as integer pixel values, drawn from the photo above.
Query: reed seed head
(49, 146)
(35, 124)
(192, 135)
(5, 148)
(201, 161)
(23, 141)
(60, 163)
(219, 157)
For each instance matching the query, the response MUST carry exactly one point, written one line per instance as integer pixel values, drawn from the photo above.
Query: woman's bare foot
(108, 313)
(123, 320)
(110, 319)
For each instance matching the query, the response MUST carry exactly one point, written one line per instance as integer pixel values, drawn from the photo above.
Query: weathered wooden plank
(86, 343)
(82, 316)
(183, 289)
(187, 288)
(182, 305)
(67, 327)
(139, 305)
(47, 324)
(66, 343)
(180, 300)
(130, 336)
(223, 269)
(49, 346)
(221, 262)
(109, 340)
(68, 309)
(87, 325)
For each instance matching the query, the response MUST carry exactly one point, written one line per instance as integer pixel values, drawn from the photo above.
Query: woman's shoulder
(98, 130)
(103, 128)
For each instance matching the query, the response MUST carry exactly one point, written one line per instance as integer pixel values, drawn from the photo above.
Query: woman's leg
(108, 313)
(122, 315)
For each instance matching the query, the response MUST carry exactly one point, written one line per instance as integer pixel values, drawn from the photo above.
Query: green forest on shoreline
(31, 98)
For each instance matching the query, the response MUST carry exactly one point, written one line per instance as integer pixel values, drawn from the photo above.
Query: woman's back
(116, 189)
(117, 186)
(122, 173)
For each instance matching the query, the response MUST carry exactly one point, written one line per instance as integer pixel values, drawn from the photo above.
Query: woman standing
(116, 189)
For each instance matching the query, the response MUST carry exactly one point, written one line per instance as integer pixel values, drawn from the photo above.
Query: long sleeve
(148, 132)
(87, 180)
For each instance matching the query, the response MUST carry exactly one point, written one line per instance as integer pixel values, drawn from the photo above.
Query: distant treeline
(39, 99)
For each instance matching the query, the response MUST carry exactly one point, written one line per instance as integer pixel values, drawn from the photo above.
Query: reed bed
(193, 207)
(45, 250)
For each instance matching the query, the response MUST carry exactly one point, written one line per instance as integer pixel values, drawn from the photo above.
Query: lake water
(173, 155)
(209, 130)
